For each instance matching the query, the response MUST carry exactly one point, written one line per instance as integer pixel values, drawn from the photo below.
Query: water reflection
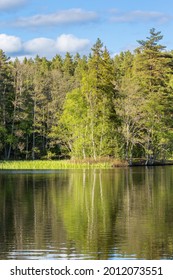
(84, 214)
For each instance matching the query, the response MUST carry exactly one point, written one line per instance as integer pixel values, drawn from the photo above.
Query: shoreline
(77, 164)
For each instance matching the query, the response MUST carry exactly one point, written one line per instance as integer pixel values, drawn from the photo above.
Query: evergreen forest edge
(91, 107)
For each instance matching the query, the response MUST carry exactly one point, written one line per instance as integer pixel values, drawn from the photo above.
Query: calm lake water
(124, 213)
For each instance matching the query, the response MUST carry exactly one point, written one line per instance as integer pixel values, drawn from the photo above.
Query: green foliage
(152, 71)
(47, 163)
(89, 107)
(72, 128)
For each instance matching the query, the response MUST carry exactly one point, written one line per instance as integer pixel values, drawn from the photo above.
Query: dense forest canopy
(89, 107)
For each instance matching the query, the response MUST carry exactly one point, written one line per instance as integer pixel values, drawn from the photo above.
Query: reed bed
(53, 164)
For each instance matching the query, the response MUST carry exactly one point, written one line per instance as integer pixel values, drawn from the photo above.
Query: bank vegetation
(89, 107)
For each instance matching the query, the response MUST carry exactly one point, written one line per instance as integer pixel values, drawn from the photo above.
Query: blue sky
(31, 27)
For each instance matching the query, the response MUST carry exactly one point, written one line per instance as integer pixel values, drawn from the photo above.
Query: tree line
(92, 106)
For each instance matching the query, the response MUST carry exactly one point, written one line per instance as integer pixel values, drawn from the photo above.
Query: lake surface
(122, 213)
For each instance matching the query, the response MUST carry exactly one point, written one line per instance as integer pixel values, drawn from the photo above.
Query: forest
(89, 107)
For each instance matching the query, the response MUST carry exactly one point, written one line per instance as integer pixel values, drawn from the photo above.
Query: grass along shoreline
(73, 164)
(59, 164)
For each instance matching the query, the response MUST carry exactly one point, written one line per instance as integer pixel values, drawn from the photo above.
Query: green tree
(40, 97)
(6, 104)
(129, 109)
(98, 89)
(152, 73)
(73, 126)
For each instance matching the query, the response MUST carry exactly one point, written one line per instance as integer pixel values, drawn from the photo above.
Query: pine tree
(151, 73)
(6, 104)
(94, 137)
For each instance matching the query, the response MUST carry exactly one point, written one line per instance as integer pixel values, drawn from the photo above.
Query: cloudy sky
(31, 27)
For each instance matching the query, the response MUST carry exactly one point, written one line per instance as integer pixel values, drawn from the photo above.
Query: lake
(121, 213)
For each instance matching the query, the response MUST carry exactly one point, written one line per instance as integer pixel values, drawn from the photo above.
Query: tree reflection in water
(87, 214)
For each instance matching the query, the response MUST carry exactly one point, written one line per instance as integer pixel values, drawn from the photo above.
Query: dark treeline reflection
(94, 214)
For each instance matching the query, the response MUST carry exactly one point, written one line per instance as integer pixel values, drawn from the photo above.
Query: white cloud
(61, 17)
(70, 43)
(140, 16)
(9, 4)
(41, 46)
(10, 44)
(49, 47)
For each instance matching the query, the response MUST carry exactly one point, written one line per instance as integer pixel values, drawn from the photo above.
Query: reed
(54, 164)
